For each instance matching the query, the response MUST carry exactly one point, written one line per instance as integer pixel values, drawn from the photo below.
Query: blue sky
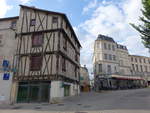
(90, 18)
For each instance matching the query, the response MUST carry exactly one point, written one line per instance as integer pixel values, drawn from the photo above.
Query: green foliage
(144, 28)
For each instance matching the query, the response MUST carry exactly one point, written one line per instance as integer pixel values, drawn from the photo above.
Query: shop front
(33, 91)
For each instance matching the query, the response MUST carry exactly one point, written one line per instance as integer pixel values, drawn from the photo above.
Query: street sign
(5, 63)
(6, 76)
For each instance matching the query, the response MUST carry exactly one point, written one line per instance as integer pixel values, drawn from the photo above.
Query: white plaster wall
(5, 89)
(56, 90)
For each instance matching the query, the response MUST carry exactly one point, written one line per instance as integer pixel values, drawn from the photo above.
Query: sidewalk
(103, 111)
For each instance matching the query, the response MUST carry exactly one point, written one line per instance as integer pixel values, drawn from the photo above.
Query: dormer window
(55, 19)
(32, 22)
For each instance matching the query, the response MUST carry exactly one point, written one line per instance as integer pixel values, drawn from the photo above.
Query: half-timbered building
(47, 57)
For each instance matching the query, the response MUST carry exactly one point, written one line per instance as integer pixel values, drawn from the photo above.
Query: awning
(126, 77)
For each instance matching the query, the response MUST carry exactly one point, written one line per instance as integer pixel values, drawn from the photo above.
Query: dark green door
(22, 93)
(66, 90)
(34, 93)
(45, 88)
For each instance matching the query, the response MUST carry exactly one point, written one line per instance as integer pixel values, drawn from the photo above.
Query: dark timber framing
(48, 52)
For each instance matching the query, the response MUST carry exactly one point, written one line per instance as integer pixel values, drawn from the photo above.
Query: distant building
(44, 54)
(113, 67)
(84, 79)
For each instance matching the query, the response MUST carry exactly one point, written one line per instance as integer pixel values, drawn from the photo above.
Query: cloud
(111, 19)
(91, 5)
(4, 7)
(25, 1)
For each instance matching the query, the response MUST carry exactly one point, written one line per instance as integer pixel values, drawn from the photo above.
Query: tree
(144, 28)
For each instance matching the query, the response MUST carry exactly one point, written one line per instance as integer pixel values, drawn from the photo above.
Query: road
(129, 100)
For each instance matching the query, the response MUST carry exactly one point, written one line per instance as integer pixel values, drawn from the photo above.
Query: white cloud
(4, 7)
(25, 1)
(112, 19)
(91, 5)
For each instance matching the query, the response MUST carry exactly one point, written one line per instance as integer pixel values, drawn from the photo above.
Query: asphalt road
(137, 99)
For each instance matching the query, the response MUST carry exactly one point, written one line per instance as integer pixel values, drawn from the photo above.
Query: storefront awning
(126, 77)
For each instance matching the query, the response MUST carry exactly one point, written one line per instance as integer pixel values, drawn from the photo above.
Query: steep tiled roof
(103, 37)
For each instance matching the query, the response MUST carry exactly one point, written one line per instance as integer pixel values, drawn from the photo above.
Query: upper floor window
(105, 56)
(100, 67)
(137, 68)
(113, 47)
(141, 68)
(133, 67)
(63, 64)
(1, 40)
(110, 57)
(13, 24)
(37, 39)
(140, 60)
(55, 19)
(149, 61)
(132, 59)
(145, 68)
(105, 46)
(144, 60)
(114, 57)
(109, 46)
(65, 44)
(135, 59)
(75, 72)
(32, 22)
(66, 26)
(35, 62)
(76, 57)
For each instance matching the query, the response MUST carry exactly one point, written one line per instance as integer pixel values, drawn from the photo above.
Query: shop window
(109, 69)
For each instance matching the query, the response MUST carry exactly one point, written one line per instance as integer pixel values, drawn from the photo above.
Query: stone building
(46, 62)
(140, 66)
(7, 52)
(113, 67)
(84, 79)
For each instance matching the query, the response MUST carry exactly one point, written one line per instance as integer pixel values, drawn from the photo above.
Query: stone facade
(7, 51)
(84, 79)
(112, 60)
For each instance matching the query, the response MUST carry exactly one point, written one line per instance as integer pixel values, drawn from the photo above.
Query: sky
(90, 18)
